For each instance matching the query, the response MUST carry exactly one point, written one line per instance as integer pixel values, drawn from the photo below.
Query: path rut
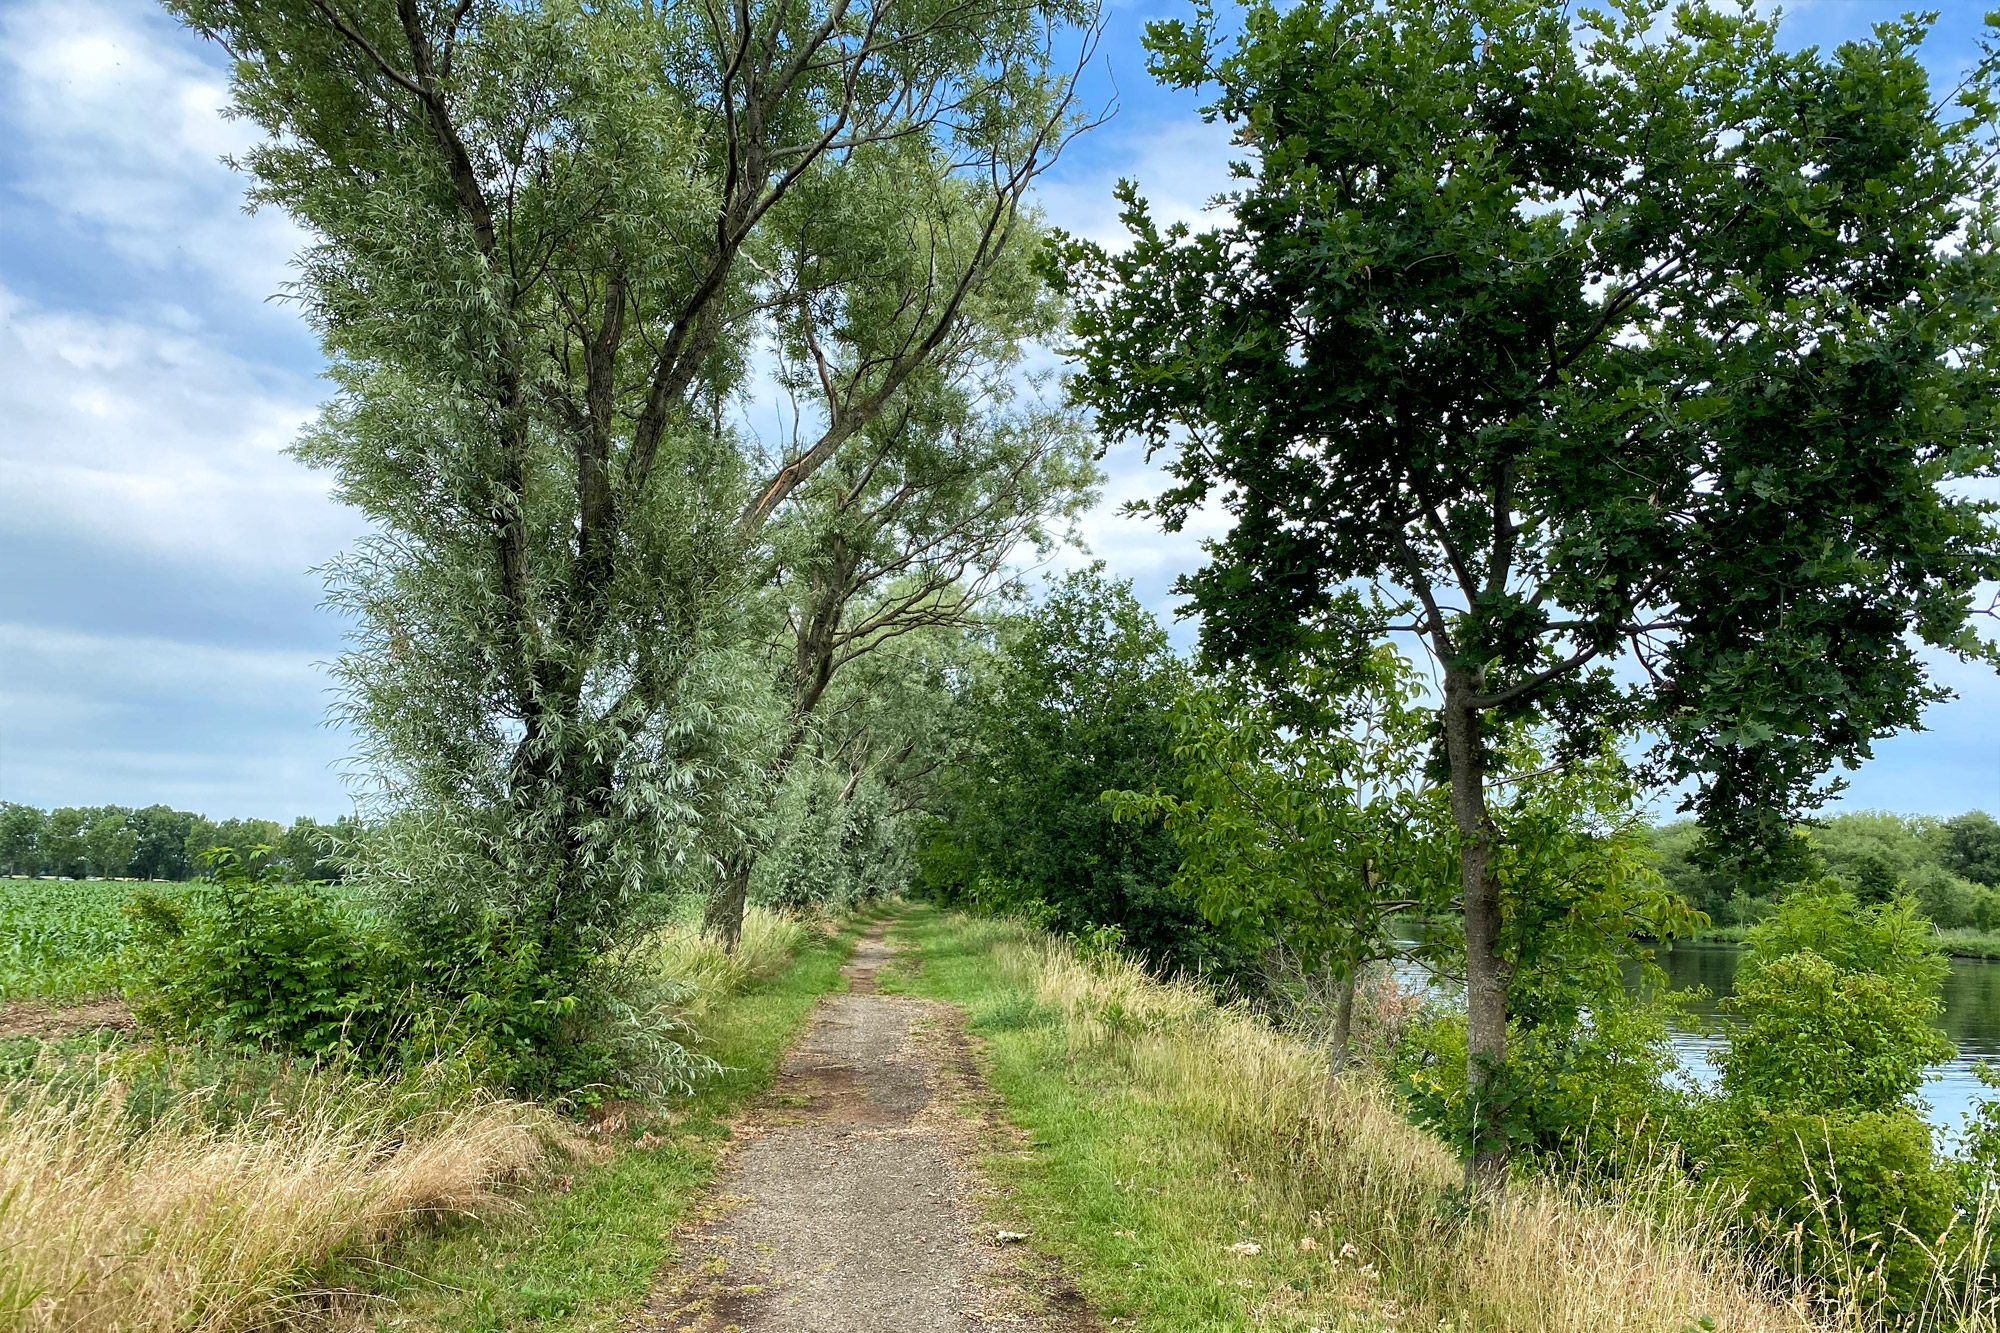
(850, 1203)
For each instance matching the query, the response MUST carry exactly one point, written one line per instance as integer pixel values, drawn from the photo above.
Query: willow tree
(548, 242)
(909, 529)
(1640, 362)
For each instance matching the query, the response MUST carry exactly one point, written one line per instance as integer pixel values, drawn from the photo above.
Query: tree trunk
(1485, 973)
(724, 918)
(1343, 1028)
(811, 673)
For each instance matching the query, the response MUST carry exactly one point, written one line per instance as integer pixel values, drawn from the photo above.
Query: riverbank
(1192, 1168)
(1980, 944)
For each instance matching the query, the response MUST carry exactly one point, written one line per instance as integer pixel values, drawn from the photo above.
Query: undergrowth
(1200, 1171)
(198, 1189)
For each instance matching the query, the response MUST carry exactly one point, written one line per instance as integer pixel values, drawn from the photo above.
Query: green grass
(1957, 943)
(59, 939)
(1139, 1209)
(1970, 943)
(584, 1259)
(1195, 1172)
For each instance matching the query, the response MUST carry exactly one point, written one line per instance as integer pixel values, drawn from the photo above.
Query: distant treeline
(1951, 867)
(156, 842)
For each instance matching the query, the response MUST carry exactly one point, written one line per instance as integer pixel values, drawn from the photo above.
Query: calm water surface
(1971, 1018)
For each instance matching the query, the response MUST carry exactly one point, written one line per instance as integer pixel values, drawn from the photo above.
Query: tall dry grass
(117, 1222)
(1339, 1168)
(109, 1225)
(683, 955)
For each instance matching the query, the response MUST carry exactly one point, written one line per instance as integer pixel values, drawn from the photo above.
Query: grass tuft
(683, 954)
(177, 1224)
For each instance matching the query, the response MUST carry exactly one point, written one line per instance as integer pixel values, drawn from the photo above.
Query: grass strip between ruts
(1113, 1186)
(584, 1258)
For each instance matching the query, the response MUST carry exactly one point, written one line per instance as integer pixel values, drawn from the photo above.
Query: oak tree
(1643, 363)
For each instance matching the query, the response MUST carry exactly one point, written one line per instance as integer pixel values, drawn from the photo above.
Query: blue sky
(161, 637)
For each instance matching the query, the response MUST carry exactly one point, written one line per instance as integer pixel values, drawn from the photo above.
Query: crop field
(59, 939)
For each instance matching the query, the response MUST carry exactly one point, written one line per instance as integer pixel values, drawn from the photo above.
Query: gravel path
(850, 1204)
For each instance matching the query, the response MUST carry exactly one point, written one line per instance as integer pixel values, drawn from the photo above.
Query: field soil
(852, 1202)
(39, 1018)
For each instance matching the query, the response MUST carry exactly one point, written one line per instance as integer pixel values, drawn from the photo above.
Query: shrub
(1815, 1121)
(1986, 909)
(1859, 1199)
(1585, 1090)
(249, 958)
(1822, 1038)
(1824, 918)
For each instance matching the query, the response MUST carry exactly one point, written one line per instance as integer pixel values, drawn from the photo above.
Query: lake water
(1971, 1019)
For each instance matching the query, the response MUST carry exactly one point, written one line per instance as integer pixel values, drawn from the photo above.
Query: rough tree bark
(1485, 970)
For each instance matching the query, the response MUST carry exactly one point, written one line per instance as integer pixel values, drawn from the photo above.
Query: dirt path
(851, 1202)
(49, 1021)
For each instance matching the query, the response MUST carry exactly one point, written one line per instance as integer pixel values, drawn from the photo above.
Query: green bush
(1822, 1038)
(1815, 1120)
(1986, 909)
(1585, 1091)
(1854, 1198)
(248, 958)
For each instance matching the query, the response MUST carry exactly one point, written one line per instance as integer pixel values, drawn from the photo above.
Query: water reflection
(1971, 1018)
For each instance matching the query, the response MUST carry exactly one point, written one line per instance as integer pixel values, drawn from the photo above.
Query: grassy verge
(148, 1188)
(115, 1218)
(1957, 943)
(583, 1257)
(1970, 943)
(1197, 1173)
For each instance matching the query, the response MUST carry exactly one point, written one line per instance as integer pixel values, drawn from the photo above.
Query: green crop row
(59, 939)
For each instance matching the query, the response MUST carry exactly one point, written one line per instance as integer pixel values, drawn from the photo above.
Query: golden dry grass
(108, 1226)
(1345, 1184)
(683, 954)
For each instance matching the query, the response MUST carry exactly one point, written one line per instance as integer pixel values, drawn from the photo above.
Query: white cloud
(141, 436)
(1180, 167)
(158, 629)
(87, 719)
(121, 135)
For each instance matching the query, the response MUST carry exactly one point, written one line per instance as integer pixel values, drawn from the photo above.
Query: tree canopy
(1077, 702)
(553, 248)
(1635, 363)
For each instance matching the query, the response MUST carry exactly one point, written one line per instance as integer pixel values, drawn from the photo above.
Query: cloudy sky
(161, 637)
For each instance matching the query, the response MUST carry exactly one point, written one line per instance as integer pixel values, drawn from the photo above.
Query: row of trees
(1286, 840)
(156, 842)
(678, 355)
(1629, 366)
(1951, 867)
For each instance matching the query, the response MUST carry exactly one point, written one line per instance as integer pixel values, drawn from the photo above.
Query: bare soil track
(851, 1201)
(38, 1018)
